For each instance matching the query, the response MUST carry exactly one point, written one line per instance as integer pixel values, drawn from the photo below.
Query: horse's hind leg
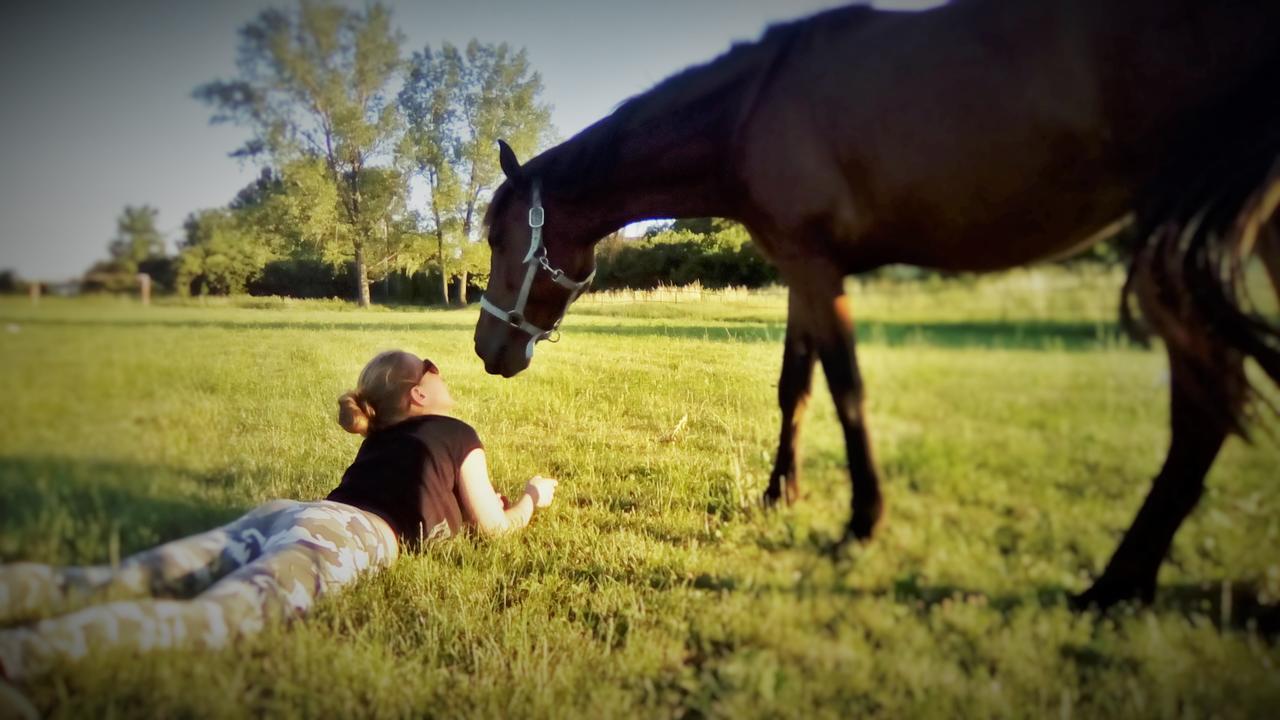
(1206, 389)
(793, 395)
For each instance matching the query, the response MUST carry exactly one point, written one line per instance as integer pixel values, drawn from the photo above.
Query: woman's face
(434, 393)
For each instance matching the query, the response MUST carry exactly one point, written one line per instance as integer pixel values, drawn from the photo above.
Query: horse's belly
(978, 232)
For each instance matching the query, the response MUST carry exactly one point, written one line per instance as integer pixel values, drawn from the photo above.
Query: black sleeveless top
(410, 475)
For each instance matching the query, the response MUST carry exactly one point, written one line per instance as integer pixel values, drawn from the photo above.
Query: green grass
(1016, 434)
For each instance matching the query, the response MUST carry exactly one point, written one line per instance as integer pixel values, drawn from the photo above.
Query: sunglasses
(429, 367)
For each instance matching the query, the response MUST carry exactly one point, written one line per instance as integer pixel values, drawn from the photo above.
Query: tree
(500, 100)
(313, 88)
(136, 247)
(220, 255)
(713, 252)
(137, 238)
(457, 105)
(11, 282)
(430, 101)
(473, 264)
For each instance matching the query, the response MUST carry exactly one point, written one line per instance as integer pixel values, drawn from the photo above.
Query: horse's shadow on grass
(77, 511)
(1225, 603)
(1236, 607)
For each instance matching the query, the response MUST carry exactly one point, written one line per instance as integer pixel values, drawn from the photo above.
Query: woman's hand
(542, 490)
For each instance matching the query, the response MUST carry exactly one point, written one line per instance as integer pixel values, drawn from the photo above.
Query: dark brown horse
(979, 136)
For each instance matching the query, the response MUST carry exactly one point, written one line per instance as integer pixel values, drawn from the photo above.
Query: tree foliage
(314, 89)
(137, 239)
(221, 253)
(716, 253)
(137, 247)
(11, 282)
(457, 105)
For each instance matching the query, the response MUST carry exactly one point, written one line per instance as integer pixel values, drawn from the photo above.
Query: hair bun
(354, 413)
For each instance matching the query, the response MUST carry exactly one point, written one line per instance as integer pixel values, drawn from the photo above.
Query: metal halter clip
(536, 216)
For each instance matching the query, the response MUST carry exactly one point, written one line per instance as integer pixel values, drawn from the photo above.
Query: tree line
(341, 123)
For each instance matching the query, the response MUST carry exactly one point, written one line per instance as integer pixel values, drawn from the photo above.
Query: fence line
(1033, 281)
(684, 293)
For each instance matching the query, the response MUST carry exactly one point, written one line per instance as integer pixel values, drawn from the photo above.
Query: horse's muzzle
(504, 352)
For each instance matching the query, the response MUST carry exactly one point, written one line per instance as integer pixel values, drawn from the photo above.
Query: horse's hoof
(1106, 593)
(780, 488)
(770, 499)
(862, 525)
(859, 532)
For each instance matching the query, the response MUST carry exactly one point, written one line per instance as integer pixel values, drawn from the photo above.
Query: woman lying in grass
(420, 475)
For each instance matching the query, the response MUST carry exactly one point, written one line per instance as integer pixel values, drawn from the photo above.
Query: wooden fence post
(144, 288)
(34, 291)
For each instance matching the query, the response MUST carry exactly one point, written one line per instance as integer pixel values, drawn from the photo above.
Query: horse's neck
(669, 156)
(674, 170)
(671, 167)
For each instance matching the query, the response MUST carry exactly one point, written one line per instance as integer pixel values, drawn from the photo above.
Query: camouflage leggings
(271, 563)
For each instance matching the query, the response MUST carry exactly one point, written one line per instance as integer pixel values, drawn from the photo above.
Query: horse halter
(534, 261)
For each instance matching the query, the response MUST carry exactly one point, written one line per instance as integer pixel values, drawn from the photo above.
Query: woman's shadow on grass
(74, 511)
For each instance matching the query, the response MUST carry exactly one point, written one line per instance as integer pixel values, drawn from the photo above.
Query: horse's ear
(510, 165)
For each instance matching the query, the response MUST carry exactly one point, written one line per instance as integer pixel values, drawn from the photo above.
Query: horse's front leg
(828, 315)
(793, 395)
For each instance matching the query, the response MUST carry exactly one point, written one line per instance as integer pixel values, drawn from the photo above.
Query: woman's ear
(417, 396)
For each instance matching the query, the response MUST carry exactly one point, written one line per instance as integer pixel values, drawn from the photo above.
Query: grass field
(1015, 428)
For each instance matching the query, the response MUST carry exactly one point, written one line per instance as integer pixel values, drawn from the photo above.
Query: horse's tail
(1187, 275)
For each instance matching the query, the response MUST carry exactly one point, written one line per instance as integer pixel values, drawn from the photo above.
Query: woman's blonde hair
(379, 399)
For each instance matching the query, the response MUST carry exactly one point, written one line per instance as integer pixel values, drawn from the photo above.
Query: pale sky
(96, 109)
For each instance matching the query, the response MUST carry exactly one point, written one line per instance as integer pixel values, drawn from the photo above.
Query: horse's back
(985, 134)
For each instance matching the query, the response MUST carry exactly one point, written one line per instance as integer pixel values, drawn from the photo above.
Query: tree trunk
(444, 275)
(353, 215)
(362, 277)
(473, 194)
(462, 288)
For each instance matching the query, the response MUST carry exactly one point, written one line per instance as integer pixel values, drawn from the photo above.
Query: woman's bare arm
(483, 505)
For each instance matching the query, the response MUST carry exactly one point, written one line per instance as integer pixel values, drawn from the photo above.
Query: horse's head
(541, 260)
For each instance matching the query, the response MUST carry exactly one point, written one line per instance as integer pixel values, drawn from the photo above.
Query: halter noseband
(535, 260)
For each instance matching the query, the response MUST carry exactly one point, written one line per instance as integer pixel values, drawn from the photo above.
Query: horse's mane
(586, 159)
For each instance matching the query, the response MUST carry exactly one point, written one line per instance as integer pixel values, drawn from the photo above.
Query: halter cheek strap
(535, 260)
